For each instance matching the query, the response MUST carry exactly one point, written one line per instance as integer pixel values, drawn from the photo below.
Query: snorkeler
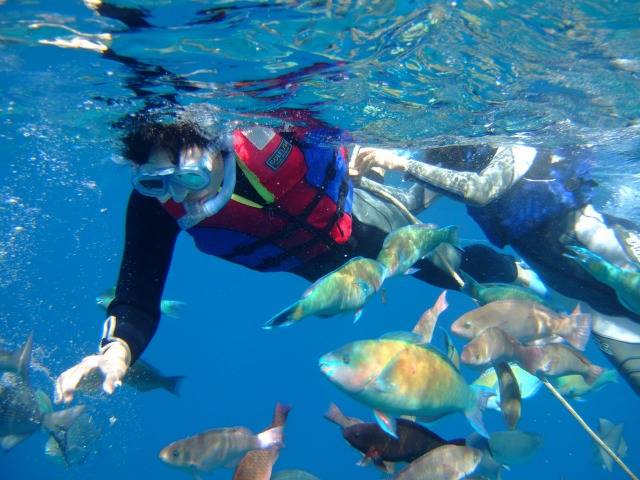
(256, 197)
(539, 203)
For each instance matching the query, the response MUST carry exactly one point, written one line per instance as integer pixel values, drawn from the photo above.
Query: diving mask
(157, 181)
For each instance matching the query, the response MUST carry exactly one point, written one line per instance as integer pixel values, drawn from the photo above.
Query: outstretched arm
(508, 165)
(134, 313)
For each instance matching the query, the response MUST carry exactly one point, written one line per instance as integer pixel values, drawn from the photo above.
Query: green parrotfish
(626, 283)
(403, 247)
(344, 290)
(398, 376)
(485, 293)
(170, 308)
(575, 386)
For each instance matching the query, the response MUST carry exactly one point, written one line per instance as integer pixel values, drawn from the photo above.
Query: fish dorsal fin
(452, 351)
(403, 336)
(605, 427)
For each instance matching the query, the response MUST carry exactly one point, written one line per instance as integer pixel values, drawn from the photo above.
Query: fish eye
(346, 359)
(175, 453)
(467, 324)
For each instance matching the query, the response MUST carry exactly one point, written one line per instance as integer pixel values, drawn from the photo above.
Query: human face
(198, 174)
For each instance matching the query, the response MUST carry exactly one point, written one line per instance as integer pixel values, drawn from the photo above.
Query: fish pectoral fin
(386, 423)
(10, 441)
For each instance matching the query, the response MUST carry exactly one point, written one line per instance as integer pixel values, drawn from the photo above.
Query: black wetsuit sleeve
(149, 242)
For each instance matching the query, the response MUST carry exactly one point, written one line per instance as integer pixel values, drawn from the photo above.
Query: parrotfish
(527, 383)
(493, 346)
(449, 462)
(344, 290)
(258, 464)
(142, 376)
(171, 308)
(558, 359)
(485, 293)
(574, 386)
(513, 447)
(293, 475)
(413, 440)
(23, 411)
(611, 435)
(525, 321)
(17, 362)
(510, 400)
(398, 376)
(220, 447)
(626, 283)
(403, 247)
(488, 467)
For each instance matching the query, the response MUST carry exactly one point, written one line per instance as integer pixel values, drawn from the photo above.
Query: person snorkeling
(539, 203)
(267, 200)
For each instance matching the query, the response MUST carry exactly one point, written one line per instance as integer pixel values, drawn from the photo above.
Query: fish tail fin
(580, 329)
(280, 414)
(273, 437)
(286, 317)
(452, 235)
(173, 384)
(172, 308)
(22, 357)
(335, 415)
(594, 373)
(481, 396)
(58, 423)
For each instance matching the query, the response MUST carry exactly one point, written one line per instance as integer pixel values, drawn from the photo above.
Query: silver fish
(220, 447)
(611, 435)
(449, 462)
(513, 447)
(293, 475)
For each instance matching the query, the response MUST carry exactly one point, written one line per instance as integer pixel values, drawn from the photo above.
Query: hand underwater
(112, 363)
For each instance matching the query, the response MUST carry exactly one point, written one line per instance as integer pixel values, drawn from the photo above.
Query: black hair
(143, 139)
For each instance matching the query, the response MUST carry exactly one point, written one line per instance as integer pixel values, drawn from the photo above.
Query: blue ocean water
(391, 73)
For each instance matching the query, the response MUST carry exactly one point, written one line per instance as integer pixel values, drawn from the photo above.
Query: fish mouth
(326, 367)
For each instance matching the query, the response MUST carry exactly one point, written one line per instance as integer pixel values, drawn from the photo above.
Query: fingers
(113, 370)
(68, 381)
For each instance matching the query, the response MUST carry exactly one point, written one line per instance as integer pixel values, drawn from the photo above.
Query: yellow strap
(245, 201)
(266, 195)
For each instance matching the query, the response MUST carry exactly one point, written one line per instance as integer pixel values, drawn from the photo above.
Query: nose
(178, 192)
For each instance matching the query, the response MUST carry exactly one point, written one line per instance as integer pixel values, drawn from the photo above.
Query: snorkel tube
(198, 211)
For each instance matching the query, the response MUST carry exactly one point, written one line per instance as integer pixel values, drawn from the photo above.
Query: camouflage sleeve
(506, 167)
(150, 238)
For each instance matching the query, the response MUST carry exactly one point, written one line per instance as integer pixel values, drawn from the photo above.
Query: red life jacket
(303, 209)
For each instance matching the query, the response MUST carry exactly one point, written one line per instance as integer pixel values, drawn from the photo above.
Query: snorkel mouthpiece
(198, 211)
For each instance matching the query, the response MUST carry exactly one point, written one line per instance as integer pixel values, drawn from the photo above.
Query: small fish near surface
(575, 386)
(170, 308)
(626, 283)
(413, 440)
(405, 246)
(525, 321)
(398, 376)
(427, 321)
(514, 447)
(611, 435)
(449, 462)
(344, 290)
(24, 411)
(258, 464)
(17, 362)
(217, 448)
